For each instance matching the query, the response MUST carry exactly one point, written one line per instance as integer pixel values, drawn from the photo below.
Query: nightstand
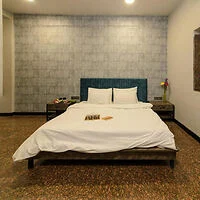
(164, 109)
(55, 109)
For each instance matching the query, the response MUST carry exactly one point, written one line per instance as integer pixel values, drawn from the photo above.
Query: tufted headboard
(113, 83)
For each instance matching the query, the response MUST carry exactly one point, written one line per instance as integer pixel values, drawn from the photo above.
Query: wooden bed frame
(130, 154)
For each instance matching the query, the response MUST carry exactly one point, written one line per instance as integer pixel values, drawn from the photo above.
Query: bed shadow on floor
(84, 173)
(103, 162)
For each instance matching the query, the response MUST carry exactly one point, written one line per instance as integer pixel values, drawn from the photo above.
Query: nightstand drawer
(163, 107)
(51, 107)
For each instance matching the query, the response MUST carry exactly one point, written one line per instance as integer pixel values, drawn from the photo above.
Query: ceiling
(92, 7)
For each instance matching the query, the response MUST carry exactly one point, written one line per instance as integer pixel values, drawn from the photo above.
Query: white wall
(7, 100)
(182, 23)
(1, 52)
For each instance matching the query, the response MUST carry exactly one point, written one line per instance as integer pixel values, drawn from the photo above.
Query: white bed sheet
(133, 125)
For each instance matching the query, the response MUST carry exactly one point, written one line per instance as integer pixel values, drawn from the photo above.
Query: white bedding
(133, 125)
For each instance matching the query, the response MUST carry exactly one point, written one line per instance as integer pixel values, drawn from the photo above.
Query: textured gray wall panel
(54, 52)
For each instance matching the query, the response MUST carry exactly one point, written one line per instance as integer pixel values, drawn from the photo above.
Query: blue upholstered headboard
(113, 83)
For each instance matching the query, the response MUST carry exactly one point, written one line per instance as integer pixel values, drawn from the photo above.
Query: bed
(123, 150)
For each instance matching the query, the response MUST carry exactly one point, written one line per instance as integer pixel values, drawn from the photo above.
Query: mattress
(130, 126)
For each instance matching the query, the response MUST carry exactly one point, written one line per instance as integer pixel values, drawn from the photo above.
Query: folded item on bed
(92, 117)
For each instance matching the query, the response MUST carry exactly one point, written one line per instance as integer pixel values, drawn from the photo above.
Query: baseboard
(22, 113)
(29, 113)
(195, 136)
(6, 114)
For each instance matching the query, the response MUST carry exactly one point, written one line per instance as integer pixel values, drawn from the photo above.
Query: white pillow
(125, 96)
(100, 96)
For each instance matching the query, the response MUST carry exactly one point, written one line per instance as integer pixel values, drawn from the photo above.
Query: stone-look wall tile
(54, 52)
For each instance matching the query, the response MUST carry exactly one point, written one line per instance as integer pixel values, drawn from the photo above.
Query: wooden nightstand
(55, 109)
(164, 109)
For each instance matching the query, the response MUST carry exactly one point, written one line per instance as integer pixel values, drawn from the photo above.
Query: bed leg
(172, 164)
(30, 163)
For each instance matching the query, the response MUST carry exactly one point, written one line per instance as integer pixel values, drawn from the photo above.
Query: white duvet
(132, 125)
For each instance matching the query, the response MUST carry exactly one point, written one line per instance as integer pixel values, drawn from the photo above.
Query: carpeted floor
(95, 180)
